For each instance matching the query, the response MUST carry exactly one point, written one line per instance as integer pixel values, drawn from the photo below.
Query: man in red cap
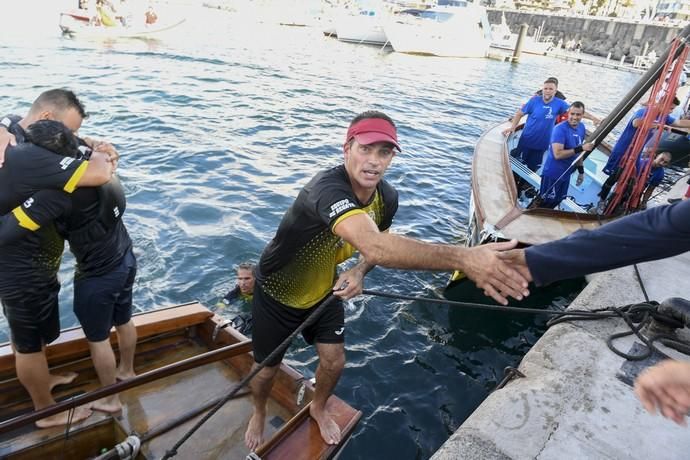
(342, 210)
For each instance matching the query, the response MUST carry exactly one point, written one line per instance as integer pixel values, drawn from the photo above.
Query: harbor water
(220, 121)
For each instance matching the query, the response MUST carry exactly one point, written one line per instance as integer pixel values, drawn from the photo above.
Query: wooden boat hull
(166, 337)
(496, 215)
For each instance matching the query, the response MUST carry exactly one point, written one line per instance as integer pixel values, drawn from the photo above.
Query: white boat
(363, 25)
(79, 23)
(453, 28)
(503, 38)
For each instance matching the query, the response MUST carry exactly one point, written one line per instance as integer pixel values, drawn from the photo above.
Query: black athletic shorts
(101, 302)
(273, 322)
(33, 316)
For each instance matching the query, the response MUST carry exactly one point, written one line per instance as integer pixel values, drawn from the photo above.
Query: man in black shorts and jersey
(342, 210)
(28, 280)
(91, 220)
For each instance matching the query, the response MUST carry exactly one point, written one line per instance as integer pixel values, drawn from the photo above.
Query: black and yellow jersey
(298, 267)
(90, 219)
(29, 168)
(34, 261)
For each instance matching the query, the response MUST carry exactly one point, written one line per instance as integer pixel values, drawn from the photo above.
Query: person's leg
(260, 387)
(122, 318)
(104, 361)
(331, 364)
(272, 323)
(127, 340)
(95, 300)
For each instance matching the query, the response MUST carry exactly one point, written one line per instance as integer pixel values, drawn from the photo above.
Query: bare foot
(330, 431)
(80, 413)
(122, 375)
(61, 379)
(111, 405)
(254, 436)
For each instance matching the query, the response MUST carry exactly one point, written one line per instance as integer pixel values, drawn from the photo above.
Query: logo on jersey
(28, 203)
(340, 331)
(340, 206)
(548, 115)
(65, 162)
(116, 212)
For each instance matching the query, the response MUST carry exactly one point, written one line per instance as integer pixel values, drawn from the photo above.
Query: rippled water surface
(219, 124)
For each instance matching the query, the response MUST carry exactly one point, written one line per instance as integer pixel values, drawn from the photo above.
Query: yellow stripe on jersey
(346, 215)
(72, 182)
(24, 220)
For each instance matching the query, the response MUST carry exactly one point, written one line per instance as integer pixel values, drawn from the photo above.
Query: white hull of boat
(361, 29)
(528, 45)
(461, 36)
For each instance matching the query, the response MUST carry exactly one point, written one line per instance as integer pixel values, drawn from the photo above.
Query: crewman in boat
(541, 111)
(91, 220)
(612, 167)
(567, 142)
(656, 174)
(244, 287)
(341, 210)
(28, 269)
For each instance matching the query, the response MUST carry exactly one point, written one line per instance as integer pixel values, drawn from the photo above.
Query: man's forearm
(397, 251)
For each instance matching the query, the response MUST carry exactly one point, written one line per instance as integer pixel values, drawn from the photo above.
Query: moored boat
(503, 38)
(498, 213)
(78, 23)
(453, 28)
(187, 360)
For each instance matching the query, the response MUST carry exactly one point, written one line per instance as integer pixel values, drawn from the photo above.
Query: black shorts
(101, 302)
(33, 316)
(273, 322)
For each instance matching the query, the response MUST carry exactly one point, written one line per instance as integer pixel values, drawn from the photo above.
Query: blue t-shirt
(656, 175)
(570, 137)
(626, 138)
(541, 118)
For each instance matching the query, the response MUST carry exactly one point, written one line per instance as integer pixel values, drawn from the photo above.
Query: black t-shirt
(90, 219)
(32, 262)
(298, 267)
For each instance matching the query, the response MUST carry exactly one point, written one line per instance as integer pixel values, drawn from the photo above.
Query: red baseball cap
(372, 130)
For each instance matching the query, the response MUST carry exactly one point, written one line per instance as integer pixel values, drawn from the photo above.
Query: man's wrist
(577, 149)
(5, 123)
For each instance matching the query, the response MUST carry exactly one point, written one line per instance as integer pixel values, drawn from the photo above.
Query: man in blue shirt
(567, 141)
(612, 165)
(656, 174)
(542, 111)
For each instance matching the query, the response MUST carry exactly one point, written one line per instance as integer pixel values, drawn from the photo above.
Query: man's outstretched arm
(481, 264)
(656, 233)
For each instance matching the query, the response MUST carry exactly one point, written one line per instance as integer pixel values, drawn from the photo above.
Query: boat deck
(151, 405)
(495, 198)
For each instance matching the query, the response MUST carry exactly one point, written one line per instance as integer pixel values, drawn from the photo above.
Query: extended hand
(588, 147)
(484, 266)
(666, 387)
(509, 131)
